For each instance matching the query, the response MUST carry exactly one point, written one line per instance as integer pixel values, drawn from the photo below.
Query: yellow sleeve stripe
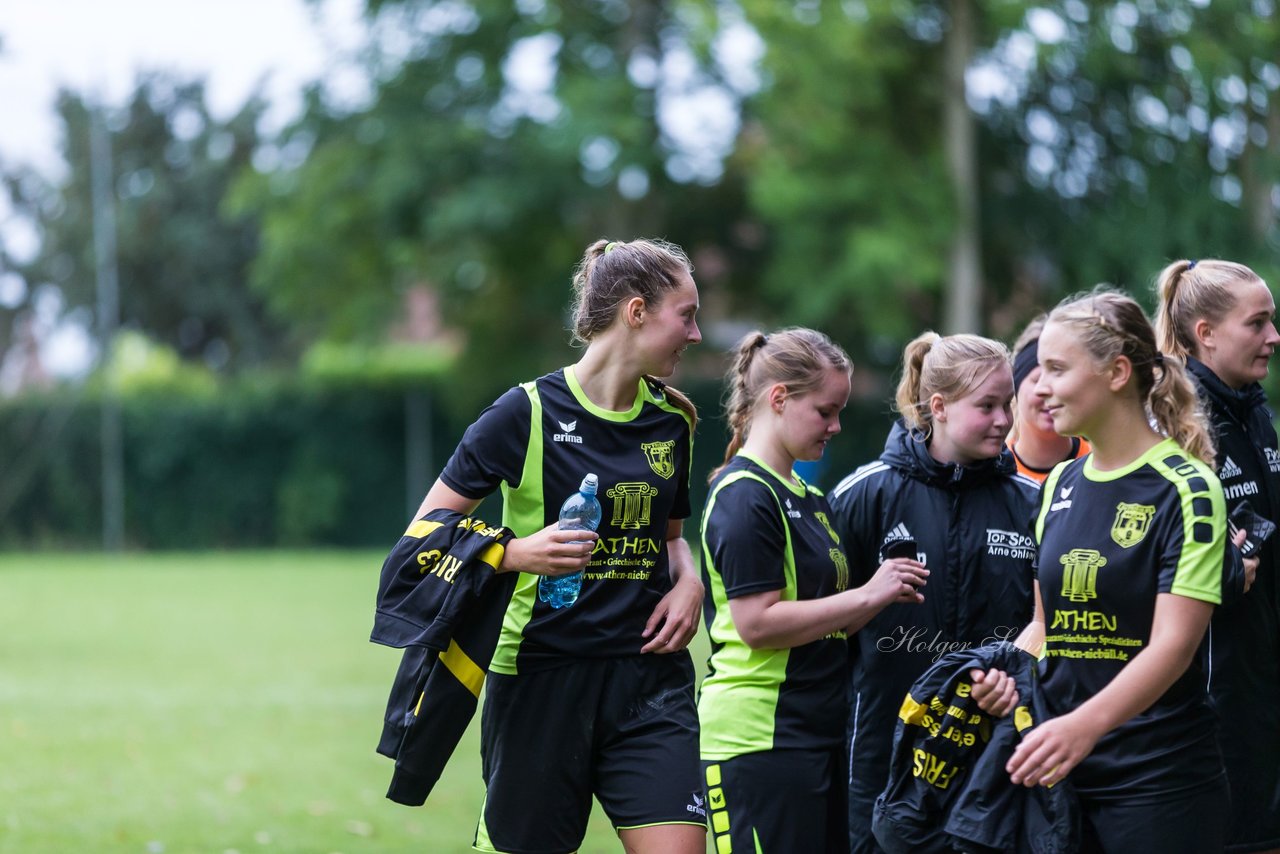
(421, 528)
(493, 555)
(911, 711)
(463, 668)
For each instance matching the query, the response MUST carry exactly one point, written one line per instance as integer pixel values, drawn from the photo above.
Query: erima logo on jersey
(791, 511)
(1064, 499)
(1230, 468)
(1010, 544)
(1273, 459)
(567, 435)
(698, 807)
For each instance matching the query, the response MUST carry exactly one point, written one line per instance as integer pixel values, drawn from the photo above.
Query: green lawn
(208, 703)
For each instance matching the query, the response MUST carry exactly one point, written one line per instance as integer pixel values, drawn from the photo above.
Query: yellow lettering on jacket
(931, 769)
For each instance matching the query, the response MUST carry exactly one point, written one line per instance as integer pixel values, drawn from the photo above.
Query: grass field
(208, 703)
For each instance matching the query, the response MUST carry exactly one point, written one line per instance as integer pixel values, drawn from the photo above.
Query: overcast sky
(99, 46)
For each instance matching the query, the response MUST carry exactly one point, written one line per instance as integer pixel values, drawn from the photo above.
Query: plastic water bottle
(580, 512)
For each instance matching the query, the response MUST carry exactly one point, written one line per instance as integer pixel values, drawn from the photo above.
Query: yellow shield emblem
(659, 456)
(1131, 524)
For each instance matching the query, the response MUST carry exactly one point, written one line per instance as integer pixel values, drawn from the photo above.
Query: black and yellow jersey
(761, 532)
(535, 443)
(1110, 541)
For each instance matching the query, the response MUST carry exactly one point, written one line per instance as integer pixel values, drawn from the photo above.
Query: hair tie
(1191, 265)
(612, 246)
(1159, 359)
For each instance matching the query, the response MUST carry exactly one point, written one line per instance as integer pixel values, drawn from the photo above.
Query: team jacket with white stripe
(972, 526)
(1243, 642)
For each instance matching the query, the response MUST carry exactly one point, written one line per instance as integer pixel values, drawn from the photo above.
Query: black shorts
(778, 801)
(622, 729)
(1190, 823)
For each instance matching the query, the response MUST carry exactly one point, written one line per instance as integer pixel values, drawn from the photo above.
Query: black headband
(1025, 362)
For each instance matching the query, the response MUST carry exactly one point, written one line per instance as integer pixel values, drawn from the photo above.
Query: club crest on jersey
(660, 458)
(631, 504)
(1080, 574)
(1131, 524)
(568, 434)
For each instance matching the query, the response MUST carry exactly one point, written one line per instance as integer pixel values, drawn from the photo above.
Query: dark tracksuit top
(535, 443)
(1243, 644)
(972, 526)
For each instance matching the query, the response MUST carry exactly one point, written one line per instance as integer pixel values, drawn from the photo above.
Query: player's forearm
(1176, 631)
(786, 624)
(680, 562)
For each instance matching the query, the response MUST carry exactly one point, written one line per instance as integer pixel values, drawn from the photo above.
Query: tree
(867, 168)
(1141, 132)
(500, 139)
(183, 260)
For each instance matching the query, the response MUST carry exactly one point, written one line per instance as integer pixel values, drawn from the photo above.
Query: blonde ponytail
(1108, 325)
(1178, 411)
(738, 402)
(908, 396)
(612, 272)
(951, 366)
(1189, 291)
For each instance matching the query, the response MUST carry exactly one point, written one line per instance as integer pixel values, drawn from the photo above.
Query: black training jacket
(948, 788)
(1243, 642)
(441, 600)
(972, 526)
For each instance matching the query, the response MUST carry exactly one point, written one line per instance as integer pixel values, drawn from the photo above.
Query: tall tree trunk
(964, 276)
(1258, 176)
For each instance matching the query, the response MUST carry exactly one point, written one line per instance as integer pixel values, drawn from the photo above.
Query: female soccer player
(1218, 316)
(1036, 447)
(595, 698)
(778, 605)
(946, 492)
(1132, 548)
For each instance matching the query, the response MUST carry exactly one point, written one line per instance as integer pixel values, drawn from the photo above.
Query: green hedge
(269, 463)
(252, 467)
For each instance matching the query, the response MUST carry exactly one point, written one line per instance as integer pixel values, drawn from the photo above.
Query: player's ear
(938, 408)
(1118, 373)
(633, 312)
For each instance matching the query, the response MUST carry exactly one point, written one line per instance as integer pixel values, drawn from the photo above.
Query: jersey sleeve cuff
(1213, 597)
(465, 492)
